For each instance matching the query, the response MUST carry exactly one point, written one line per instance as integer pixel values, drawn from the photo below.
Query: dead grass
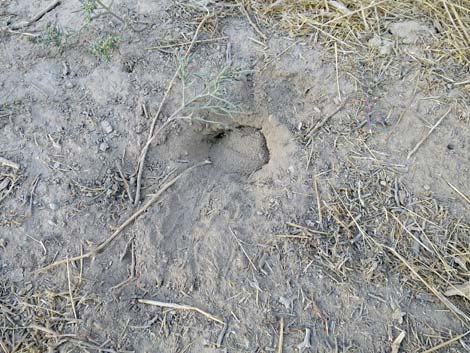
(370, 221)
(376, 227)
(371, 214)
(347, 23)
(11, 178)
(34, 321)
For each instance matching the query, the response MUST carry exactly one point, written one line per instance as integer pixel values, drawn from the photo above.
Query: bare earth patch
(240, 176)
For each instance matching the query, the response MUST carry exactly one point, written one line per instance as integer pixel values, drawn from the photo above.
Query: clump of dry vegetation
(347, 23)
(374, 210)
(43, 321)
(378, 225)
(371, 225)
(9, 176)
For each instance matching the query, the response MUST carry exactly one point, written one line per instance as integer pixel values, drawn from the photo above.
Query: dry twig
(446, 343)
(305, 344)
(320, 124)
(177, 45)
(243, 249)
(123, 226)
(281, 336)
(180, 307)
(35, 18)
(397, 342)
(465, 197)
(160, 107)
(418, 145)
(252, 23)
(9, 163)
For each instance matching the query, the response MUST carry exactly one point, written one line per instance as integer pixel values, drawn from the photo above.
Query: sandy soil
(287, 231)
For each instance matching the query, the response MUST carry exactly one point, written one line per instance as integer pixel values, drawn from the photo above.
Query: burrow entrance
(240, 150)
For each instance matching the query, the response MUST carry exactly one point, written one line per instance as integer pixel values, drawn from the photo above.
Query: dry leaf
(397, 343)
(462, 290)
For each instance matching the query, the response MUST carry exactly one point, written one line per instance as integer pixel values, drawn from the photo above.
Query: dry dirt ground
(317, 227)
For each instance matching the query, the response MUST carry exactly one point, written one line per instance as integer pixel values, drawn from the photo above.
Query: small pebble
(69, 85)
(139, 129)
(3, 243)
(104, 146)
(106, 126)
(53, 206)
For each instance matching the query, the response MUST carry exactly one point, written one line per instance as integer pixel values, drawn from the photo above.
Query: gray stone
(106, 126)
(104, 146)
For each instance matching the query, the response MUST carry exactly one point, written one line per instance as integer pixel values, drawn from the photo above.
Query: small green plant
(212, 89)
(103, 48)
(53, 35)
(89, 7)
